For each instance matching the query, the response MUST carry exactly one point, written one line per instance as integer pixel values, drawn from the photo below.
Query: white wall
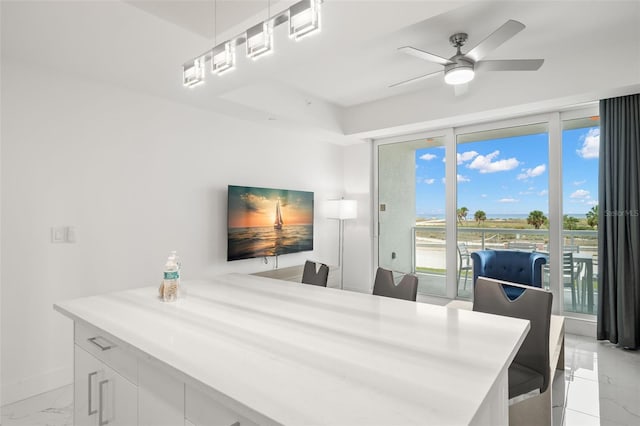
(358, 233)
(137, 176)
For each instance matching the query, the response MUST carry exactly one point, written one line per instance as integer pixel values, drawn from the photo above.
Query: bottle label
(171, 275)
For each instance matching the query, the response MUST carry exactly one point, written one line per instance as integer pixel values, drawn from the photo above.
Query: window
(580, 150)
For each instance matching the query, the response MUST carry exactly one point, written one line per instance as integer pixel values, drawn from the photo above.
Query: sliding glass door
(580, 151)
(411, 211)
(503, 193)
(519, 184)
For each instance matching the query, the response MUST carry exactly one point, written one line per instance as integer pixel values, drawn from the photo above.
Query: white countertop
(302, 355)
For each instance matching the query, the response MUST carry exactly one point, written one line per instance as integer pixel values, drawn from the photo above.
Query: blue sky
(511, 175)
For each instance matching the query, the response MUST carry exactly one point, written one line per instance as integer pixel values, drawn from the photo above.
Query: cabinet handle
(91, 412)
(101, 422)
(94, 340)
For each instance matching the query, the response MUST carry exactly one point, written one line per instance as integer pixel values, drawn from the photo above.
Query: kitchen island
(242, 349)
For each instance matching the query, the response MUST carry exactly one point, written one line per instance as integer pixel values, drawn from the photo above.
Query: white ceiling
(336, 82)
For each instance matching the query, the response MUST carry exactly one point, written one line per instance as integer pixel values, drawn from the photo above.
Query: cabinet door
(101, 395)
(88, 371)
(160, 396)
(202, 410)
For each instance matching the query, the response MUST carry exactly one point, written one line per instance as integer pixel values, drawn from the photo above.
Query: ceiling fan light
(223, 58)
(459, 75)
(260, 39)
(193, 72)
(304, 19)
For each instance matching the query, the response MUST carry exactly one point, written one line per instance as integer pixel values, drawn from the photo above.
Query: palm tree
(480, 216)
(462, 214)
(537, 219)
(592, 217)
(570, 222)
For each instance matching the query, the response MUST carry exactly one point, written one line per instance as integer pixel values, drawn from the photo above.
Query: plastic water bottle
(182, 289)
(171, 281)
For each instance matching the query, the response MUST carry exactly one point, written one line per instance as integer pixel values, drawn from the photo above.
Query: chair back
(384, 285)
(519, 267)
(314, 275)
(567, 265)
(534, 304)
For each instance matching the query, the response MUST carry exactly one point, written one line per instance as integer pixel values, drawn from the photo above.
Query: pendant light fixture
(260, 37)
(304, 19)
(223, 56)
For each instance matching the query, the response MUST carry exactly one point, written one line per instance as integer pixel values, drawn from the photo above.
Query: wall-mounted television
(268, 222)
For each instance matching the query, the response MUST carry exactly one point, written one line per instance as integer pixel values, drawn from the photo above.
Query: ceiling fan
(460, 68)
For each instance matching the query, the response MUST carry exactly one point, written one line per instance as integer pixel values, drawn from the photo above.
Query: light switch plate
(70, 235)
(58, 234)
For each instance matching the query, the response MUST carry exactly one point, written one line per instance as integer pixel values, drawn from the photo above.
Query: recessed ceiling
(336, 82)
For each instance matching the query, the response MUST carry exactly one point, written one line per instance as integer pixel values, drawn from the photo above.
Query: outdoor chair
(521, 267)
(464, 258)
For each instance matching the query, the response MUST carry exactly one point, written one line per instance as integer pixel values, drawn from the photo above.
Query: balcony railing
(580, 290)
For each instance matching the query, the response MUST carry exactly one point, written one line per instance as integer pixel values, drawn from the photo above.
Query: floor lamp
(342, 209)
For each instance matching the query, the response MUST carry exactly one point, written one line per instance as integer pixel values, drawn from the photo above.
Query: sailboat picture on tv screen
(268, 222)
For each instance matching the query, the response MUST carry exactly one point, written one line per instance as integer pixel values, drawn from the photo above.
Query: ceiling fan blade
(424, 55)
(460, 89)
(495, 39)
(415, 79)
(510, 65)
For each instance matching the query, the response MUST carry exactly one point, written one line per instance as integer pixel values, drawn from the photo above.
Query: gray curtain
(619, 222)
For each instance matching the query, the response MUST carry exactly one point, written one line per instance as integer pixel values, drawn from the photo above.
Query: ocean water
(245, 243)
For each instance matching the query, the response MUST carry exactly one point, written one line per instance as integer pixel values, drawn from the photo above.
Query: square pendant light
(260, 39)
(304, 19)
(223, 58)
(193, 72)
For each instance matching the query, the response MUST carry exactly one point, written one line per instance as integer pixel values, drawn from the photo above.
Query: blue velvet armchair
(521, 267)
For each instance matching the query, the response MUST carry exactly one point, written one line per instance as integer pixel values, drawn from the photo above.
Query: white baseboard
(31, 386)
(580, 326)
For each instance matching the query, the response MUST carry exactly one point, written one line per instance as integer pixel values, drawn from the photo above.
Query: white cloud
(485, 163)
(463, 179)
(508, 200)
(543, 193)
(466, 156)
(580, 194)
(444, 180)
(579, 182)
(592, 202)
(428, 157)
(483, 195)
(530, 173)
(591, 145)
(429, 181)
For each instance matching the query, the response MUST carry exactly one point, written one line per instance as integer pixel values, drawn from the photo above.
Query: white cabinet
(101, 395)
(202, 410)
(160, 396)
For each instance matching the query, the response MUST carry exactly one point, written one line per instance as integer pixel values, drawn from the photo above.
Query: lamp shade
(342, 209)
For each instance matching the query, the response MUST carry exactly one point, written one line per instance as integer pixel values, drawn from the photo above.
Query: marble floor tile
(54, 408)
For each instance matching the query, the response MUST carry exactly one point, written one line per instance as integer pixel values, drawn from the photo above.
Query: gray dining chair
(530, 369)
(314, 275)
(384, 285)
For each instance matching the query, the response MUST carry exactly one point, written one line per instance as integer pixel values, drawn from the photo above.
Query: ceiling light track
(304, 20)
